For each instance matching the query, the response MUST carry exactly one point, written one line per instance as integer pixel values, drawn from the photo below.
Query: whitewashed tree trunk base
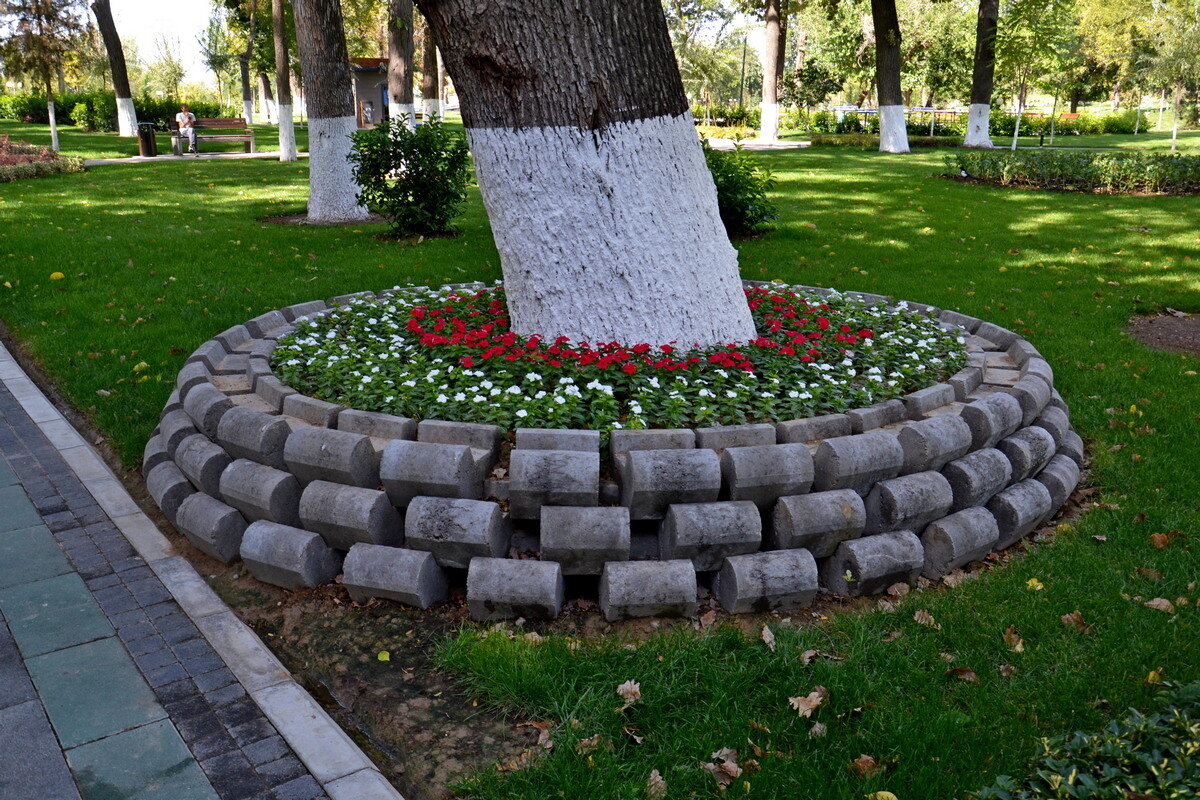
(332, 190)
(978, 121)
(126, 117)
(404, 111)
(768, 130)
(53, 125)
(431, 108)
(287, 134)
(596, 227)
(893, 135)
(248, 111)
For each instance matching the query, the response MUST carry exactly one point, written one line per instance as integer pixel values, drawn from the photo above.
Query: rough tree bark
(283, 81)
(325, 64)
(126, 116)
(431, 105)
(268, 97)
(244, 68)
(893, 135)
(772, 63)
(983, 78)
(400, 61)
(602, 207)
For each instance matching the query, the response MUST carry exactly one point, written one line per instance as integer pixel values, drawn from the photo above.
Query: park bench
(238, 132)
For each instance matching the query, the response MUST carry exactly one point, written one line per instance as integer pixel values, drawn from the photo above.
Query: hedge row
(1000, 123)
(98, 110)
(38, 169)
(872, 140)
(1080, 170)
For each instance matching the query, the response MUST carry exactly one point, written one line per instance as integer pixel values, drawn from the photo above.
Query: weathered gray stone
(1060, 477)
(813, 428)
(977, 477)
(871, 564)
(866, 419)
(965, 381)
(344, 515)
(504, 588)
(1038, 368)
(648, 589)
(261, 348)
(174, 402)
(205, 404)
(295, 312)
(273, 391)
(393, 573)
(921, 402)
(174, 427)
(257, 367)
(347, 299)
(234, 364)
(211, 526)
(210, 354)
(651, 480)
(321, 454)
(169, 487)
(708, 532)
(1001, 337)
(245, 433)
(376, 425)
(586, 441)
(857, 462)
(961, 320)
(908, 503)
(411, 469)
(311, 410)
(203, 462)
(154, 453)
(1018, 510)
(765, 473)
(261, 492)
(991, 419)
(1056, 423)
(455, 530)
(193, 374)
(289, 557)
(623, 441)
(817, 522)
(958, 539)
(473, 435)
(932, 443)
(1021, 351)
(1056, 401)
(552, 478)
(780, 580)
(1033, 394)
(263, 324)
(1028, 450)
(582, 539)
(870, 298)
(1072, 447)
(233, 385)
(724, 436)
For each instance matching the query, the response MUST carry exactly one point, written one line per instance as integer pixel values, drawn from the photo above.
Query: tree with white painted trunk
(35, 35)
(244, 59)
(431, 100)
(325, 65)
(775, 44)
(893, 130)
(400, 61)
(283, 81)
(603, 210)
(126, 116)
(983, 77)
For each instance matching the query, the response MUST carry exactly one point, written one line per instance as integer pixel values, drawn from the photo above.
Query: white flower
(522, 413)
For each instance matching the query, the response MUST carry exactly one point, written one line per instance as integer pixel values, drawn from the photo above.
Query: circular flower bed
(449, 354)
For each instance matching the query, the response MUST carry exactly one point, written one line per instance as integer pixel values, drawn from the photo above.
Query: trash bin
(147, 140)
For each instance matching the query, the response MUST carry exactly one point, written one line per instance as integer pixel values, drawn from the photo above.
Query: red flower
(629, 369)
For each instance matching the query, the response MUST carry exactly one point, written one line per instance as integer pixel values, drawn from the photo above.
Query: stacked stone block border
(764, 515)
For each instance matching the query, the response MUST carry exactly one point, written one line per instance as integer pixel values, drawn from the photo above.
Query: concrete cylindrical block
(624, 441)
(977, 476)
(777, 580)
(1060, 477)
(765, 473)
(1033, 394)
(344, 515)
(991, 419)
(871, 564)
(552, 478)
(169, 487)
(648, 589)
(203, 462)
(211, 526)
(919, 403)
(246, 433)
(1072, 447)
(289, 557)
(1018, 510)
(155, 453)
(958, 539)
(455, 530)
(583, 539)
(321, 454)
(817, 522)
(651, 480)
(932, 443)
(1029, 450)
(587, 441)
(174, 427)
(206, 404)
(428, 469)
(1039, 368)
(395, 573)
(1056, 422)
(193, 374)
(504, 588)
(857, 462)
(261, 492)
(708, 532)
(908, 503)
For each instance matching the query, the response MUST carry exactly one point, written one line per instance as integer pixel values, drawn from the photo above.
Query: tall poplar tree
(36, 34)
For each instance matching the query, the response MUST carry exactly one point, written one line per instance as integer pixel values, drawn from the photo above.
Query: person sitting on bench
(187, 127)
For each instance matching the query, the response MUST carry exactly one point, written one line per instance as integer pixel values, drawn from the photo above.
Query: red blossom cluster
(789, 325)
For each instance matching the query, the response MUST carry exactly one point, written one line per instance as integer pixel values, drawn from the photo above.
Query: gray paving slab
(31, 762)
(15, 686)
(53, 614)
(146, 763)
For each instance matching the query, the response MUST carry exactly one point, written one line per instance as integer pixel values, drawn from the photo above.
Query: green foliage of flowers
(448, 354)
(742, 186)
(415, 177)
(1138, 756)
(1081, 171)
(872, 140)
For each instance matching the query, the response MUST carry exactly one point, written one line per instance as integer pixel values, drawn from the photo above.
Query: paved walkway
(100, 162)
(122, 676)
(754, 144)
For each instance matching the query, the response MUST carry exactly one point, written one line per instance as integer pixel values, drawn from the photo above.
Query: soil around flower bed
(1175, 332)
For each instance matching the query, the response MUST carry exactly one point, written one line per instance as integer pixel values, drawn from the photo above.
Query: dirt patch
(302, 219)
(1175, 331)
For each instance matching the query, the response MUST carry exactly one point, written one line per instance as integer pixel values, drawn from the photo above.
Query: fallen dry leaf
(632, 732)
(758, 726)
(1014, 641)
(923, 617)
(808, 656)
(630, 690)
(1152, 574)
(708, 618)
(817, 730)
(656, 787)
(866, 766)
(1075, 620)
(899, 589)
(963, 674)
(1007, 670)
(726, 767)
(1161, 604)
(1034, 585)
(892, 636)
(768, 638)
(805, 706)
(588, 745)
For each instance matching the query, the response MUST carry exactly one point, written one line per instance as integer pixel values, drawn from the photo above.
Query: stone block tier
(766, 515)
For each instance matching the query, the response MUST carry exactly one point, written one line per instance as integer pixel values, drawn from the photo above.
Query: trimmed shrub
(719, 132)
(723, 116)
(19, 161)
(742, 186)
(1139, 756)
(1080, 170)
(416, 178)
(97, 111)
(872, 140)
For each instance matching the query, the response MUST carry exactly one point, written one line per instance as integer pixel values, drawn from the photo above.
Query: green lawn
(160, 257)
(75, 142)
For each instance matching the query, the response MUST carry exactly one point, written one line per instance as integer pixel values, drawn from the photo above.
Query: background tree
(283, 81)
(983, 75)
(126, 116)
(1175, 62)
(400, 61)
(34, 37)
(244, 57)
(217, 49)
(893, 130)
(775, 44)
(711, 49)
(166, 70)
(1031, 42)
(431, 105)
(331, 120)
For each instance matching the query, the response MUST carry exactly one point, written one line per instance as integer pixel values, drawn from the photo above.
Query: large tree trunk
(283, 81)
(268, 97)
(893, 135)
(400, 61)
(51, 112)
(430, 97)
(330, 101)
(126, 116)
(601, 204)
(983, 78)
(772, 61)
(244, 68)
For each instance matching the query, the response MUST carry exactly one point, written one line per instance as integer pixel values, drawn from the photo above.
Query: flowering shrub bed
(1088, 170)
(19, 161)
(449, 354)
